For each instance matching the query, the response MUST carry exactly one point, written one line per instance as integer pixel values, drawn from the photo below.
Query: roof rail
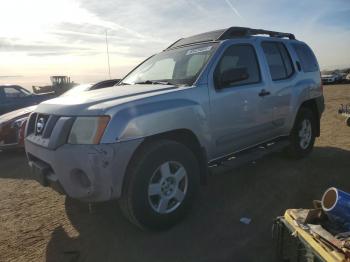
(173, 44)
(232, 32)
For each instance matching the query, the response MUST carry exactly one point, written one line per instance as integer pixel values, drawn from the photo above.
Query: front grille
(41, 125)
(52, 133)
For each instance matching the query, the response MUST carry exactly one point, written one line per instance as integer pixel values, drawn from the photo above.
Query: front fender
(138, 121)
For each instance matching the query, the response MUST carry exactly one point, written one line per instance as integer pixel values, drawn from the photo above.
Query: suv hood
(98, 101)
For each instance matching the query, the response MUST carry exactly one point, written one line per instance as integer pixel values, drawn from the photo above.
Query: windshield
(180, 66)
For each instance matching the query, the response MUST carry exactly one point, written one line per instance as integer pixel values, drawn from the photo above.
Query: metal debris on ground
(245, 220)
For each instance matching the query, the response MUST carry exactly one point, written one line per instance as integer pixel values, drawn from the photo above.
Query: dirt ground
(37, 224)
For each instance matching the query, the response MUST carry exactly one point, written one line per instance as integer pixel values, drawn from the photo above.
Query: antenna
(109, 66)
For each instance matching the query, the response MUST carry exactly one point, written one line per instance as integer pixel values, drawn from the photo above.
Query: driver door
(241, 112)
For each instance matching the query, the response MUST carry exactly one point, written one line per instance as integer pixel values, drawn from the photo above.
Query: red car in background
(12, 127)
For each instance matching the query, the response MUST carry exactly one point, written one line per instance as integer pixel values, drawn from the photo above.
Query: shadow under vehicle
(253, 190)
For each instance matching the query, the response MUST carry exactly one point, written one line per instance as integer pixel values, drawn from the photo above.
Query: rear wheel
(161, 184)
(302, 137)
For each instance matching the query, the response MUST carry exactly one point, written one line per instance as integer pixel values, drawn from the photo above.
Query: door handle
(263, 92)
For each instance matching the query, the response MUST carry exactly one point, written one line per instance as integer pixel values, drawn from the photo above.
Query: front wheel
(160, 185)
(302, 137)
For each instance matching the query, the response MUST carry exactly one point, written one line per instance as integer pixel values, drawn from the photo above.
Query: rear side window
(278, 60)
(239, 57)
(306, 57)
(11, 92)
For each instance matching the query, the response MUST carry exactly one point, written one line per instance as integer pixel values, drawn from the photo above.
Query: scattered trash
(245, 220)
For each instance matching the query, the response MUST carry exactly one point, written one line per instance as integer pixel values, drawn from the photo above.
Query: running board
(247, 156)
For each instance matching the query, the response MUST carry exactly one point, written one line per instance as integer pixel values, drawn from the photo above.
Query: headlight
(19, 122)
(88, 130)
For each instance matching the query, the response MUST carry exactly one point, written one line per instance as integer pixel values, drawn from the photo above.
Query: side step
(249, 155)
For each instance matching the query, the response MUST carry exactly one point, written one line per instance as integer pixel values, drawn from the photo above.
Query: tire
(302, 137)
(347, 121)
(151, 196)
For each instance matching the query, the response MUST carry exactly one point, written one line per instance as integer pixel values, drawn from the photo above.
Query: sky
(39, 38)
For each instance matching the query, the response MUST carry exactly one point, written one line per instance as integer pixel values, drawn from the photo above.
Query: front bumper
(328, 81)
(86, 172)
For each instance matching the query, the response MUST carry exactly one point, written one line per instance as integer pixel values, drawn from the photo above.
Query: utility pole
(109, 66)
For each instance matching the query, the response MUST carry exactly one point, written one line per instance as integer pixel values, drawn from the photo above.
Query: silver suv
(149, 140)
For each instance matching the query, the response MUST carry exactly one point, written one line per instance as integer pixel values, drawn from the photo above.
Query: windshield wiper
(151, 82)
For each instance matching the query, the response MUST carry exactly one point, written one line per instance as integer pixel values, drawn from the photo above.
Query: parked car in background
(14, 97)
(12, 124)
(347, 78)
(12, 128)
(206, 99)
(342, 76)
(329, 79)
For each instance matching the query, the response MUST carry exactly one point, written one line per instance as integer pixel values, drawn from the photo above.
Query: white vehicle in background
(347, 78)
(329, 79)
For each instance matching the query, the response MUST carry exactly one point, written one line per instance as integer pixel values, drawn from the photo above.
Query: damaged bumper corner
(86, 172)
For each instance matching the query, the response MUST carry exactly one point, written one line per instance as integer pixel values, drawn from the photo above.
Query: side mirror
(231, 76)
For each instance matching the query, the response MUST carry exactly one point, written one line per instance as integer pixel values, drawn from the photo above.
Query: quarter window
(239, 57)
(306, 57)
(278, 60)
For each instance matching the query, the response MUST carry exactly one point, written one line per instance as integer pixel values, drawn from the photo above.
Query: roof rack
(232, 32)
(245, 31)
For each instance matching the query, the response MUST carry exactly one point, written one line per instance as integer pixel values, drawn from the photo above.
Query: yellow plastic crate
(307, 248)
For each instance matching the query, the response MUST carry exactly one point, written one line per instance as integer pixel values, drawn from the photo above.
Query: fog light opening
(79, 177)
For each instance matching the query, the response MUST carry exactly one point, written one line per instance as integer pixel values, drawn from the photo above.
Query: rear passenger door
(281, 74)
(240, 114)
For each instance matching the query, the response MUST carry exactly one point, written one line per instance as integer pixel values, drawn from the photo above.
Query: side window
(11, 92)
(278, 60)
(286, 59)
(306, 57)
(241, 62)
